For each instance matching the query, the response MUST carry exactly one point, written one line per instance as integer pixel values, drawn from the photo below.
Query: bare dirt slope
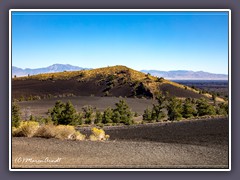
(40, 107)
(109, 81)
(192, 144)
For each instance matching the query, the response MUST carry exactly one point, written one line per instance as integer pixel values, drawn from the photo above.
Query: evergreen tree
(15, 115)
(122, 113)
(56, 111)
(174, 108)
(147, 115)
(67, 115)
(107, 116)
(157, 111)
(77, 119)
(222, 109)
(204, 108)
(98, 118)
(63, 113)
(116, 117)
(188, 109)
(88, 114)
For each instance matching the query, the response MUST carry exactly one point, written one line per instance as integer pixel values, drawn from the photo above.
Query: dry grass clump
(32, 128)
(78, 136)
(98, 135)
(68, 132)
(26, 129)
(46, 131)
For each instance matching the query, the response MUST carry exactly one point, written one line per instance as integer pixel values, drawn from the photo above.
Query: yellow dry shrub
(26, 129)
(68, 132)
(46, 131)
(98, 135)
(15, 132)
(32, 128)
(93, 138)
(64, 132)
(78, 136)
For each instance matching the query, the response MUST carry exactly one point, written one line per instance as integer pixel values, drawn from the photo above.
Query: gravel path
(192, 144)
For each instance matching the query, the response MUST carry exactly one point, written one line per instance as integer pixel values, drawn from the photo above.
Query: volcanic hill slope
(108, 81)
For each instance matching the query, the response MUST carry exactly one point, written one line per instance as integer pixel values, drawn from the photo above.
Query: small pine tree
(107, 116)
(88, 114)
(67, 114)
(123, 113)
(222, 109)
(56, 112)
(188, 109)
(15, 115)
(147, 115)
(116, 117)
(204, 108)
(77, 119)
(98, 118)
(157, 111)
(174, 108)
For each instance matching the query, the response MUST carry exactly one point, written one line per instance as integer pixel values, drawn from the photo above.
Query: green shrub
(15, 115)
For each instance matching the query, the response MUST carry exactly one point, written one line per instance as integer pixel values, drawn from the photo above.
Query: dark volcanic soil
(190, 144)
(94, 87)
(40, 107)
(179, 92)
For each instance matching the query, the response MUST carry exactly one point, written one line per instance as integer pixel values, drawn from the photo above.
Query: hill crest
(107, 81)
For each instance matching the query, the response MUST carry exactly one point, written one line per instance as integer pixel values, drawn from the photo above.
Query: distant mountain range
(173, 75)
(187, 75)
(50, 69)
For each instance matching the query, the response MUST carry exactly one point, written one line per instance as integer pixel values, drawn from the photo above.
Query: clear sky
(140, 40)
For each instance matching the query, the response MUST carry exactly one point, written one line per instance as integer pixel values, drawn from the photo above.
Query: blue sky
(140, 40)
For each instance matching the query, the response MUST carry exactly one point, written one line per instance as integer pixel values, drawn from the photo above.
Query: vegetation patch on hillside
(109, 81)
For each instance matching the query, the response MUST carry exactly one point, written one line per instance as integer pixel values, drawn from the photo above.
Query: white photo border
(116, 10)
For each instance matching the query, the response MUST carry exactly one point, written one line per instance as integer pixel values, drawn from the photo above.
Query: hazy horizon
(164, 41)
(118, 65)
